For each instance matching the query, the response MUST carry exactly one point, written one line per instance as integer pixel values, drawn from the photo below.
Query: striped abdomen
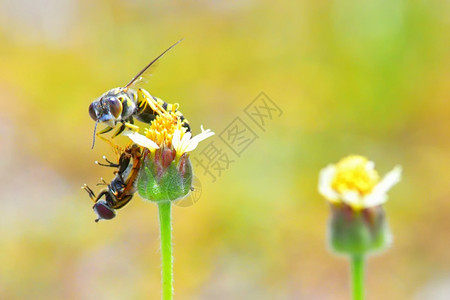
(146, 114)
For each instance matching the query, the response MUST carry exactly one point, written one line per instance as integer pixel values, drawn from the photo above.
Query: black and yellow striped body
(147, 111)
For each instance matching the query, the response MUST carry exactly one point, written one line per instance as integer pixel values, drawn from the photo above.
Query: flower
(166, 173)
(355, 182)
(358, 224)
(166, 131)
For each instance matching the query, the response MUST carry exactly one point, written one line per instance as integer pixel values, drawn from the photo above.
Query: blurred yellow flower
(355, 182)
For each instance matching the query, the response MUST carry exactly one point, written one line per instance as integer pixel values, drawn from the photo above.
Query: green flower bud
(358, 232)
(162, 177)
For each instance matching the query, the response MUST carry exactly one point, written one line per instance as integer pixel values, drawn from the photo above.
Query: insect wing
(144, 75)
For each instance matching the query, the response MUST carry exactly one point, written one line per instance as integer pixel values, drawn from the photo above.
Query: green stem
(165, 225)
(358, 277)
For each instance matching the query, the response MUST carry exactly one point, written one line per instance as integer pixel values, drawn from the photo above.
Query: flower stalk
(165, 226)
(357, 270)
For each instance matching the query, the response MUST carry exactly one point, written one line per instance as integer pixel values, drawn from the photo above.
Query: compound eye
(103, 211)
(92, 111)
(115, 106)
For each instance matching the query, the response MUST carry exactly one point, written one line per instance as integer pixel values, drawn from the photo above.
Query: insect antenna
(93, 137)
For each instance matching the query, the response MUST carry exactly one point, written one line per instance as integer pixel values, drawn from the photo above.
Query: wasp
(120, 191)
(123, 104)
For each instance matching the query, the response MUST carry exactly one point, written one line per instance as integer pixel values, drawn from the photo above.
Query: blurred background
(363, 77)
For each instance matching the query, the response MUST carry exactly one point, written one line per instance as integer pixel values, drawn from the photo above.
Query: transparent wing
(145, 73)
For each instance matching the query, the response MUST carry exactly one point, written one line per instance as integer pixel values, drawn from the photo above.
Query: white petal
(198, 138)
(326, 176)
(192, 145)
(186, 138)
(379, 192)
(389, 180)
(189, 143)
(204, 135)
(142, 140)
(176, 139)
(353, 199)
(374, 199)
(184, 143)
(194, 142)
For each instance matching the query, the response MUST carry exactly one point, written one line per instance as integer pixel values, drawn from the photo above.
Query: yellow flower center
(161, 129)
(355, 173)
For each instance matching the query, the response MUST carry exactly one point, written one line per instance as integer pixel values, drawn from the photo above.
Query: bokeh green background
(366, 77)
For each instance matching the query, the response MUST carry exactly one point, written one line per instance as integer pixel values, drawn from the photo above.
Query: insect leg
(144, 98)
(109, 163)
(107, 129)
(103, 182)
(124, 126)
(114, 146)
(119, 131)
(89, 191)
(131, 126)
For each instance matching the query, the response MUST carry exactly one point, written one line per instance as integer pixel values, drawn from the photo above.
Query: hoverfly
(122, 104)
(121, 189)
